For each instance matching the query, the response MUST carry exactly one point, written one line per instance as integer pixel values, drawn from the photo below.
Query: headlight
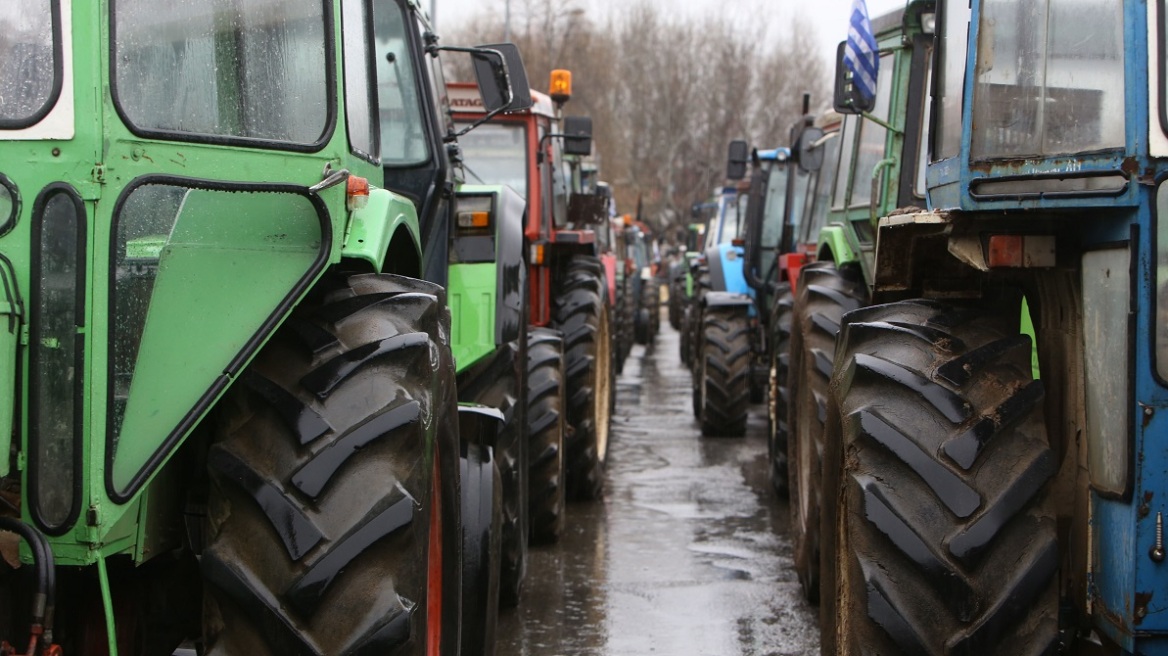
(474, 214)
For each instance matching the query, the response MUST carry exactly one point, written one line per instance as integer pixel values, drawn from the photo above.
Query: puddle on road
(688, 554)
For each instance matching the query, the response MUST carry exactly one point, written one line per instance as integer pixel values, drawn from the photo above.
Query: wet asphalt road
(688, 554)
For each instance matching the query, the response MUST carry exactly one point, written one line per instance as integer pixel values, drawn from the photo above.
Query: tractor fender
(727, 299)
(10, 327)
(834, 245)
(510, 301)
(487, 275)
(371, 228)
(608, 261)
(503, 247)
(478, 424)
(726, 269)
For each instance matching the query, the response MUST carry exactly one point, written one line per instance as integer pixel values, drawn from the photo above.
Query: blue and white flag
(860, 54)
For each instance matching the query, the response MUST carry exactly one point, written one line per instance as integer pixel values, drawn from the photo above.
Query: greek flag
(860, 54)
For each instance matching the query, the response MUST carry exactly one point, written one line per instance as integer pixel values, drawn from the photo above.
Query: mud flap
(726, 299)
(478, 424)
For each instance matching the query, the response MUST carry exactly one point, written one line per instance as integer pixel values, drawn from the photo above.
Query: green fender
(372, 227)
(834, 238)
(487, 275)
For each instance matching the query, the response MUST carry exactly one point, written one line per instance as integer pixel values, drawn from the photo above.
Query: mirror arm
(451, 137)
(554, 135)
(882, 123)
(818, 143)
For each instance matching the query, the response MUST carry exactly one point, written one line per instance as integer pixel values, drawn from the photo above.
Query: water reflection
(688, 554)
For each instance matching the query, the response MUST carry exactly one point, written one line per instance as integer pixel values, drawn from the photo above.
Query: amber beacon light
(561, 87)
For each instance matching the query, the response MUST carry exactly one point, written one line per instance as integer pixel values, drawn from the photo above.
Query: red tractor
(567, 282)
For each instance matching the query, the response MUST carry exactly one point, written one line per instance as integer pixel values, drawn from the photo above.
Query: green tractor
(680, 280)
(687, 279)
(233, 420)
(880, 168)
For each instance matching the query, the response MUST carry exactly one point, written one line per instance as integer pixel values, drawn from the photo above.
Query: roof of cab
(465, 99)
(775, 154)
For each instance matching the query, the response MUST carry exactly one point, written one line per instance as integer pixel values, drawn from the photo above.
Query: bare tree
(666, 92)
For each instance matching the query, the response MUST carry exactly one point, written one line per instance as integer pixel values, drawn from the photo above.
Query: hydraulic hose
(44, 600)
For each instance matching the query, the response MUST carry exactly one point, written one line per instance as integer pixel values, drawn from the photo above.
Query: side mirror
(737, 159)
(847, 98)
(809, 149)
(587, 209)
(501, 75)
(578, 135)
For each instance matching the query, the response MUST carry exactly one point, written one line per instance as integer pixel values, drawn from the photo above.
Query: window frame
(236, 364)
(329, 128)
(58, 35)
(371, 99)
(80, 300)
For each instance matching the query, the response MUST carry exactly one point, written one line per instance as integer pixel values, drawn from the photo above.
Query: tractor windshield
(225, 70)
(403, 128)
(30, 78)
(496, 153)
(1049, 79)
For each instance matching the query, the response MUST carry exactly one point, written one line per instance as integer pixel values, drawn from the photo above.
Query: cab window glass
(728, 226)
(399, 100)
(1050, 78)
(799, 198)
(873, 137)
(359, 98)
(441, 95)
(954, 42)
(922, 158)
(559, 184)
(251, 69)
(29, 50)
(847, 148)
(820, 185)
(775, 204)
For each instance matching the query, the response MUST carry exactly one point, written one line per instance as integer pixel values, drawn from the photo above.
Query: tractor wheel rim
(601, 390)
(805, 453)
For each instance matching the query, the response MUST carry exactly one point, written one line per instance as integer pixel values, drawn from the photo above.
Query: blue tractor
(728, 337)
(977, 509)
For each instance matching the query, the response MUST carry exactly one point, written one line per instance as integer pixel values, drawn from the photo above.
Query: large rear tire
(676, 297)
(944, 541)
(621, 324)
(825, 294)
(581, 314)
(333, 511)
(779, 389)
(648, 312)
(723, 380)
(545, 434)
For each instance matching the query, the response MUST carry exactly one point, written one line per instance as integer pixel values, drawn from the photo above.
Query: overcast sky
(827, 17)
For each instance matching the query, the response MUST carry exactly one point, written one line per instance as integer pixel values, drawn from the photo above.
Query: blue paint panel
(1124, 578)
